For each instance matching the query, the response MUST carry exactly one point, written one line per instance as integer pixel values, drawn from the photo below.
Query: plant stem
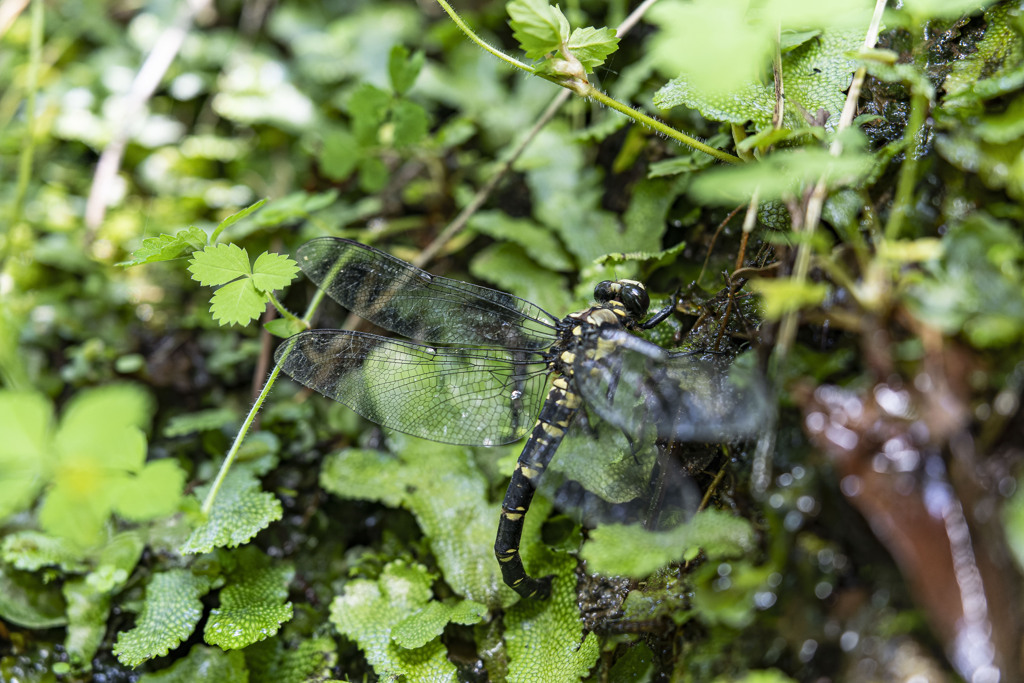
(657, 125)
(225, 466)
(480, 41)
(904, 200)
(35, 55)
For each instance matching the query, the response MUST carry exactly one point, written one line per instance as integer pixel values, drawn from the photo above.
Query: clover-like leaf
(243, 289)
(154, 492)
(252, 606)
(403, 68)
(273, 271)
(217, 265)
(170, 612)
(237, 302)
(240, 511)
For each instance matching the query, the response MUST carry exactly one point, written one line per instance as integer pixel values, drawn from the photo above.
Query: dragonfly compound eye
(634, 297)
(605, 291)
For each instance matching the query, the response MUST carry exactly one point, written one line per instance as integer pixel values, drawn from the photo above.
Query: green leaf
(311, 660)
(339, 155)
(155, 492)
(240, 511)
(234, 218)
(412, 123)
(637, 553)
(368, 611)
(538, 27)
(504, 265)
(294, 207)
(168, 247)
(28, 601)
(273, 271)
(436, 483)
(540, 244)
(220, 264)
(284, 327)
(237, 303)
(592, 45)
(780, 175)
(31, 550)
(203, 664)
(87, 610)
(404, 69)
(26, 455)
(253, 605)
(368, 106)
(422, 626)
(783, 296)
(200, 421)
(545, 639)
(170, 612)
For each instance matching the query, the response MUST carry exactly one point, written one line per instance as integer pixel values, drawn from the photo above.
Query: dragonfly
(481, 367)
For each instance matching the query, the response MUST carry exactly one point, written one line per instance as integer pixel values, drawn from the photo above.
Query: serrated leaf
(368, 611)
(635, 552)
(170, 612)
(538, 27)
(235, 217)
(236, 303)
(368, 106)
(592, 45)
(155, 492)
(240, 511)
(203, 664)
(252, 605)
(217, 265)
(273, 271)
(168, 247)
(404, 69)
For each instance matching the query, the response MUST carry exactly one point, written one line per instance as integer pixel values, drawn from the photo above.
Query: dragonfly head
(630, 293)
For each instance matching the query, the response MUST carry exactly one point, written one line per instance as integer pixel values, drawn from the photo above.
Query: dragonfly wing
(400, 297)
(642, 389)
(458, 395)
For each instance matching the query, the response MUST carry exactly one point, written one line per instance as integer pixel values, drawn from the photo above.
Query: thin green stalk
(657, 125)
(903, 203)
(225, 467)
(480, 41)
(35, 56)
